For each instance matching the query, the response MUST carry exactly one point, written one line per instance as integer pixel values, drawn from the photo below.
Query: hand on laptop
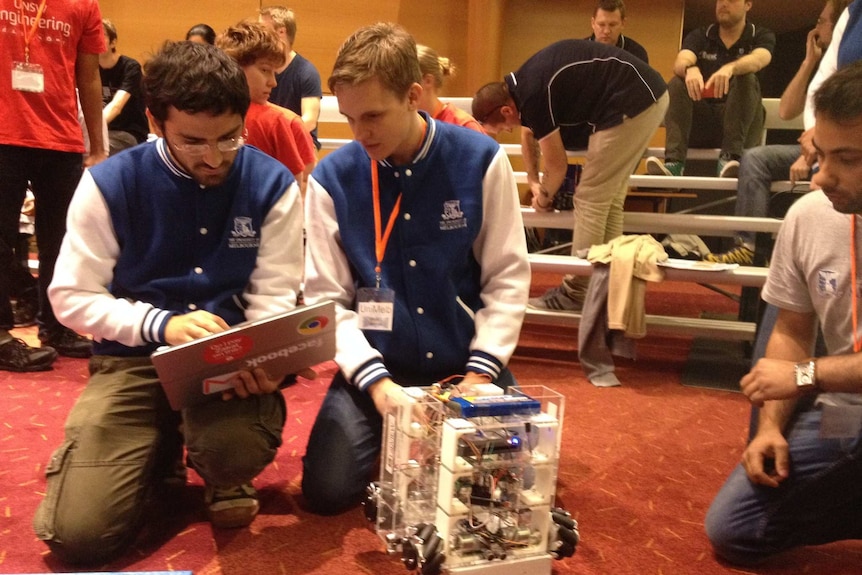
(191, 326)
(254, 382)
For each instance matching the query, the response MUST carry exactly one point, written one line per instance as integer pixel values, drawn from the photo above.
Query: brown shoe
(231, 507)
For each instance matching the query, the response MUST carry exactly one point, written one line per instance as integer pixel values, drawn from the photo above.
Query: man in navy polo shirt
(570, 87)
(608, 21)
(715, 87)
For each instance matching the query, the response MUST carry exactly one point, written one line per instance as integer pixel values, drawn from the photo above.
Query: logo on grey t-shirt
(827, 283)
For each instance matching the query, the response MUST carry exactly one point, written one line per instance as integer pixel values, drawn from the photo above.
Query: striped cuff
(155, 322)
(482, 362)
(372, 371)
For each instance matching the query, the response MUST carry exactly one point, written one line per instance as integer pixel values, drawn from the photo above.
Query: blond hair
(282, 18)
(382, 50)
(432, 63)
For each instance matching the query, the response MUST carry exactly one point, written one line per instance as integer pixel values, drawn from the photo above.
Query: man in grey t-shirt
(800, 480)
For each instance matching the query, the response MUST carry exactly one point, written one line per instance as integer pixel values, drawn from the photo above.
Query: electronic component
(493, 405)
(470, 490)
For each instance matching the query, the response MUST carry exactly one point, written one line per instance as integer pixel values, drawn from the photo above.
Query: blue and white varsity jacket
(456, 259)
(146, 242)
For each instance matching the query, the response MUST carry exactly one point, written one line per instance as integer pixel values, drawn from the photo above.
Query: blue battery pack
(493, 405)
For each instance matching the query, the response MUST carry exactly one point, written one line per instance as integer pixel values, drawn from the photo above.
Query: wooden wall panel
(322, 25)
(525, 26)
(530, 25)
(143, 25)
(442, 25)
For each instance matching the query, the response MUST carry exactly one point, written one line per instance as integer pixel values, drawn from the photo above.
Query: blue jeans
(344, 447)
(819, 503)
(758, 168)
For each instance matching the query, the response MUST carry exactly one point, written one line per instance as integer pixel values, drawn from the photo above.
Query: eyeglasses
(224, 146)
(489, 114)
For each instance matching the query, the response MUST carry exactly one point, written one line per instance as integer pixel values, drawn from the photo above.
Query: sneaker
(656, 167)
(15, 355)
(728, 169)
(555, 299)
(230, 507)
(739, 255)
(68, 343)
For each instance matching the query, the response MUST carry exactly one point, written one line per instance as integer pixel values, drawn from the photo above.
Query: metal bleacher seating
(742, 329)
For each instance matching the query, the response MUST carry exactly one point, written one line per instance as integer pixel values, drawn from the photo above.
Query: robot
(467, 484)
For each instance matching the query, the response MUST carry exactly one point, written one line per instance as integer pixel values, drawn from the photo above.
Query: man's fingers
(307, 373)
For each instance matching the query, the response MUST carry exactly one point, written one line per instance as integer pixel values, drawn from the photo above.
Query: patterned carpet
(639, 466)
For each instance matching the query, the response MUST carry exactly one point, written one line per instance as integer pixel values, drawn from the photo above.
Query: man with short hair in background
(580, 87)
(298, 81)
(608, 22)
(762, 165)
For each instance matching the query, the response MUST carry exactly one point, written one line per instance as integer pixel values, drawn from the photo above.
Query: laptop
(198, 371)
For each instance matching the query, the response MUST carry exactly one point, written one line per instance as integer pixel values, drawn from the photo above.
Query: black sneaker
(24, 312)
(15, 355)
(68, 343)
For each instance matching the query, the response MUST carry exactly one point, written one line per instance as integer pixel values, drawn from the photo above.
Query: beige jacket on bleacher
(633, 261)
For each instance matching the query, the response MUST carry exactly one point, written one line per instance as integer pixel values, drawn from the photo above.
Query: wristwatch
(805, 376)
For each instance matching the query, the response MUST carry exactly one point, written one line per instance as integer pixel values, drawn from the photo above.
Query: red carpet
(639, 467)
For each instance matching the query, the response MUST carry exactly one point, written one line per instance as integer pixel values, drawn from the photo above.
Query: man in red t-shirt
(50, 50)
(276, 131)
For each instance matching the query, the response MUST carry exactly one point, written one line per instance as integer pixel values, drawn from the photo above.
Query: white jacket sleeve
(328, 277)
(79, 290)
(501, 250)
(828, 66)
(275, 281)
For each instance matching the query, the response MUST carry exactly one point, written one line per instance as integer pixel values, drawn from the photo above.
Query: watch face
(804, 374)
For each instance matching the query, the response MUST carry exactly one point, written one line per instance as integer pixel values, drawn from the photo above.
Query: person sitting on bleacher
(715, 87)
(555, 94)
(762, 165)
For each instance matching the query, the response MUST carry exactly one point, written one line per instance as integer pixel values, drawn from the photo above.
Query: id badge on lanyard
(376, 308)
(28, 77)
(376, 305)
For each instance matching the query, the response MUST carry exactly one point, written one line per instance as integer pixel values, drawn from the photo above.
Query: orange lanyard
(381, 239)
(857, 345)
(28, 34)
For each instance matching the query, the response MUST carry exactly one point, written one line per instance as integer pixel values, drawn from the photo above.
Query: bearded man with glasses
(168, 242)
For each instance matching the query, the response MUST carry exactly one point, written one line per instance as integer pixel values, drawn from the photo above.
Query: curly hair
(193, 78)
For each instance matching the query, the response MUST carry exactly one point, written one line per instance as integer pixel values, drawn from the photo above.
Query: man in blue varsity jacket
(168, 242)
(413, 229)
